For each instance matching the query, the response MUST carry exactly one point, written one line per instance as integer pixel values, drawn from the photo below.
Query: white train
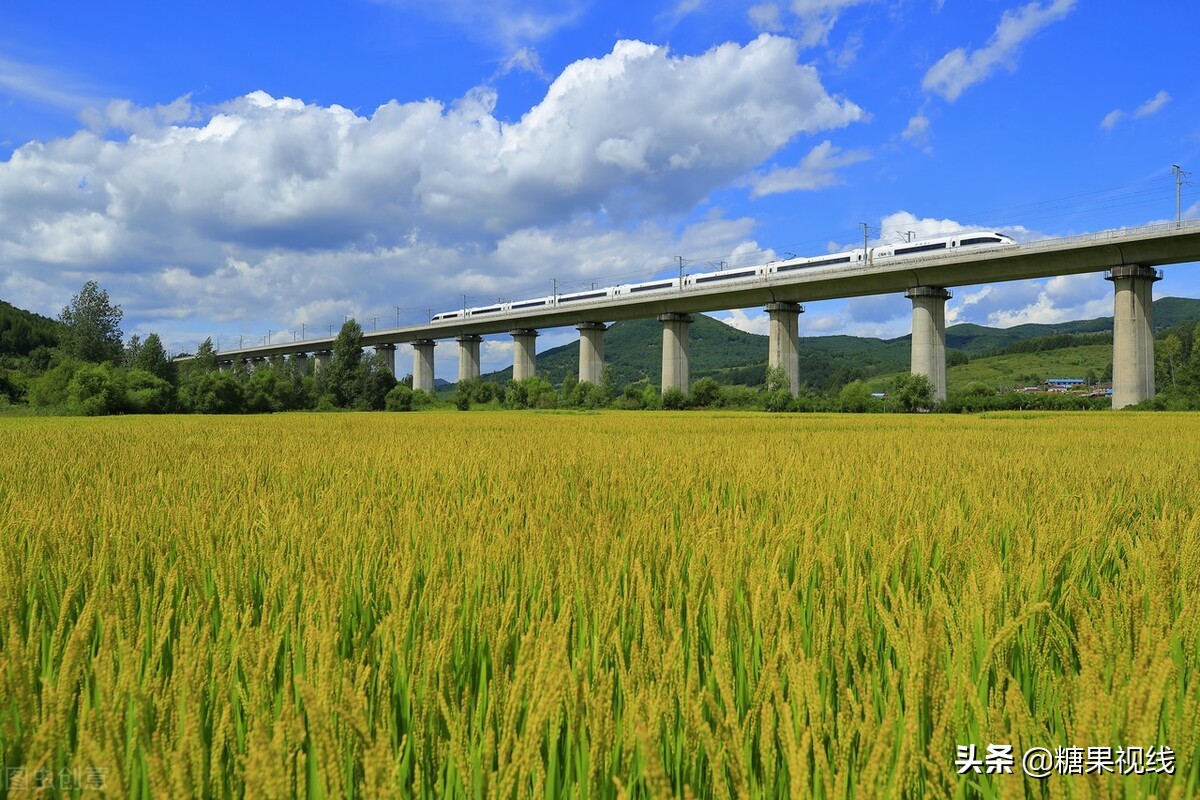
(924, 247)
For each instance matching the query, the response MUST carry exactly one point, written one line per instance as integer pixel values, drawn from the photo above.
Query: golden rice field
(616, 605)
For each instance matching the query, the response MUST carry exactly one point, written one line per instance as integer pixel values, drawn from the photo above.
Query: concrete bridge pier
(1133, 333)
(423, 365)
(389, 356)
(321, 360)
(784, 341)
(468, 357)
(224, 366)
(524, 353)
(300, 361)
(929, 335)
(591, 351)
(675, 351)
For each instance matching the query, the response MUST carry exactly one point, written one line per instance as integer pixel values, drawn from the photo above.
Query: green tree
(777, 380)
(1168, 353)
(91, 327)
(400, 398)
(152, 358)
(855, 397)
(217, 393)
(914, 392)
(344, 378)
(97, 389)
(608, 385)
(377, 381)
(706, 393)
(570, 393)
(205, 359)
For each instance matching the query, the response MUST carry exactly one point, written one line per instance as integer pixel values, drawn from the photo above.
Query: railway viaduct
(1130, 257)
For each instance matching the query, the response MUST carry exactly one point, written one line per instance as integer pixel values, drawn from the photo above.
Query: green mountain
(634, 350)
(22, 332)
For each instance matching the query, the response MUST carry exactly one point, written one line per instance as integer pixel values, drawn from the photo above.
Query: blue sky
(229, 169)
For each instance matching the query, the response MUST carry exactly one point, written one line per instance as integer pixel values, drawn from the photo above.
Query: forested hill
(22, 332)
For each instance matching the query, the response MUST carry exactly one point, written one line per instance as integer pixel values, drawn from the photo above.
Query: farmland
(617, 604)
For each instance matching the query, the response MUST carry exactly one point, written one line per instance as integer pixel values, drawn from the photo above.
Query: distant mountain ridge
(22, 332)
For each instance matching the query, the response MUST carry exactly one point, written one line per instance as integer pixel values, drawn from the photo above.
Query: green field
(1019, 369)
(597, 605)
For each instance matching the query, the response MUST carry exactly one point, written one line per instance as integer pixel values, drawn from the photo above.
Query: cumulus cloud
(750, 321)
(818, 170)
(261, 205)
(960, 69)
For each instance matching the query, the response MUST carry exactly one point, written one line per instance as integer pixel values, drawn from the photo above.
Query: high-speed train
(924, 247)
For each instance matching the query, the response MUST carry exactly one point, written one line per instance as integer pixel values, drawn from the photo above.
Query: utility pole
(397, 316)
(302, 326)
(554, 291)
(1179, 173)
(268, 337)
(429, 313)
(908, 236)
(866, 253)
(373, 321)
(680, 272)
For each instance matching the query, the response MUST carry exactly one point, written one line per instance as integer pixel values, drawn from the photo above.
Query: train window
(821, 263)
(573, 298)
(921, 248)
(529, 305)
(725, 276)
(651, 287)
(980, 240)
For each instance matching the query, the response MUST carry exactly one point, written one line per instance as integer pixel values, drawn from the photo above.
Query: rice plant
(513, 605)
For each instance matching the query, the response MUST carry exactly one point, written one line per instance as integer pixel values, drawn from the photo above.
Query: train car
(829, 260)
(584, 296)
(942, 244)
(448, 315)
(647, 287)
(725, 276)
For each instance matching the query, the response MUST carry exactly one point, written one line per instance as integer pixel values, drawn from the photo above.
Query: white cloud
(816, 171)
(43, 85)
(262, 206)
(524, 60)
(1111, 119)
(960, 69)
(918, 131)
(512, 24)
(750, 322)
(1153, 105)
(766, 17)
(1146, 109)
(817, 17)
